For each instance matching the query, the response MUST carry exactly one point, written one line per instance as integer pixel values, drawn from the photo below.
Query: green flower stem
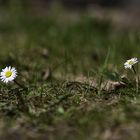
(137, 79)
(20, 85)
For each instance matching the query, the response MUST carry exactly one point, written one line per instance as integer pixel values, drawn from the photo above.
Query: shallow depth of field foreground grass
(62, 63)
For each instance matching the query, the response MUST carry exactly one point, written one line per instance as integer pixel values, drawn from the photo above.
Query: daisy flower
(8, 74)
(129, 63)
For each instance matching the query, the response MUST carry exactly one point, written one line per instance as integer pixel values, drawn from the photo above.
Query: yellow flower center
(130, 62)
(8, 74)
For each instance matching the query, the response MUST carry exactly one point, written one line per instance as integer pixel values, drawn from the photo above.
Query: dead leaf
(46, 74)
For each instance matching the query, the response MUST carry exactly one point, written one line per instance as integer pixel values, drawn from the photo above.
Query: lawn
(63, 64)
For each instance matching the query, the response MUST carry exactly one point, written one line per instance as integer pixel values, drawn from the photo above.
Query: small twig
(83, 85)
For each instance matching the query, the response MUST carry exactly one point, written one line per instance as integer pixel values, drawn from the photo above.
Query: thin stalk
(20, 85)
(103, 68)
(137, 79)
(100, 84)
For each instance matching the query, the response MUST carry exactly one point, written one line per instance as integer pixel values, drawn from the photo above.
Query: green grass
(59, 107)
